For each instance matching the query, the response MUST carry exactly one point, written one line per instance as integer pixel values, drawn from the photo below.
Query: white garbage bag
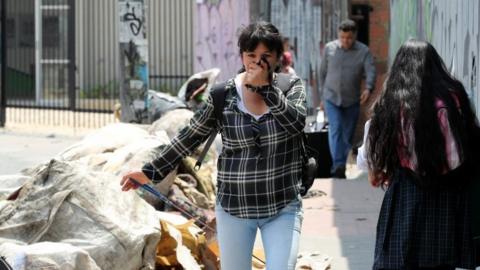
(104, 140)
(47, 255)
(11, 183)
(210, 74)
(171, 123)
(116, 148)
(84, 209)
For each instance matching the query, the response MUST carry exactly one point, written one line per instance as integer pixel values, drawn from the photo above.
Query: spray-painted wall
(309, 25)
(216, 25)
(452, 26)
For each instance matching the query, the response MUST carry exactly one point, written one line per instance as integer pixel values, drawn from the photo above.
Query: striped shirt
(259, 167)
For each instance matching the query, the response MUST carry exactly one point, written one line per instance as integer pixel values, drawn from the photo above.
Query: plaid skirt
(424, 228)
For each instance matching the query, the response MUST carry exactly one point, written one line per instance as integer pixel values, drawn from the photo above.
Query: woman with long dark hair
(260, 165)
(420, 145)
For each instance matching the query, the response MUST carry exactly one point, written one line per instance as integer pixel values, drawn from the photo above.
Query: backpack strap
(218, 93)
(283, 81)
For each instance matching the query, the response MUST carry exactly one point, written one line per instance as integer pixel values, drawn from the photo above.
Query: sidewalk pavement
(340, 224)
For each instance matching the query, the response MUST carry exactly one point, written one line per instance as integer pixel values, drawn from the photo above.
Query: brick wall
(378, 39)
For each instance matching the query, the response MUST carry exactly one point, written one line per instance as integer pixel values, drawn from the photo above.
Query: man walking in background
(345, 62)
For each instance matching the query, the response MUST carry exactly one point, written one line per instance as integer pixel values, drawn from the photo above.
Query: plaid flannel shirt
(260, 165)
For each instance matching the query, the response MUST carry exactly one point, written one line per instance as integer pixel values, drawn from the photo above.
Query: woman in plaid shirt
(421, 144)
(259, 168)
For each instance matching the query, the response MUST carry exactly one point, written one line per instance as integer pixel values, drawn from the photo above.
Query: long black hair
(417, 78)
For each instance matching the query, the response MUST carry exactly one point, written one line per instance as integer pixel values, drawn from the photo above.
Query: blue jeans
(280, 237)
(342, 122)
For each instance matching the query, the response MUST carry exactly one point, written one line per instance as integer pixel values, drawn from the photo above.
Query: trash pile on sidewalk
(70, 212)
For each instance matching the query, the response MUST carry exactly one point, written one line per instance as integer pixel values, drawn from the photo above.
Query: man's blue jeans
(342, 122)
(280, 238)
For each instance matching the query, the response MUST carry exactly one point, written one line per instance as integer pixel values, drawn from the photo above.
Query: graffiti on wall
(133, 40)
(452, 26)
(308, 24)
(216, 33)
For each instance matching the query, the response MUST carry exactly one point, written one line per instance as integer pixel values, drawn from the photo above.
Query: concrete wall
(452, 26)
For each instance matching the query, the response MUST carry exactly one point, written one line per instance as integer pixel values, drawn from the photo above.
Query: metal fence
(60, 58)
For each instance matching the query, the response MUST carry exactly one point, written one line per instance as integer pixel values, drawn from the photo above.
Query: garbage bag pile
(67, 211)
(70, 212)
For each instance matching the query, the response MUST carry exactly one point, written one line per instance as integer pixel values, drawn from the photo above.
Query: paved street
(21, 150)
(342, 223)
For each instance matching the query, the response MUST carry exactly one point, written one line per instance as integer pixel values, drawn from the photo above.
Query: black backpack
(310, 164)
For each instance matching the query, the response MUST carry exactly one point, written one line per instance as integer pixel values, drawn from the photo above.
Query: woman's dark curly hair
(417, 78)
(260, 32)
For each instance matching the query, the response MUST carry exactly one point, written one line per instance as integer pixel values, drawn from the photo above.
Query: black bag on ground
(318, 139)
(310, 166)
(310, 163)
